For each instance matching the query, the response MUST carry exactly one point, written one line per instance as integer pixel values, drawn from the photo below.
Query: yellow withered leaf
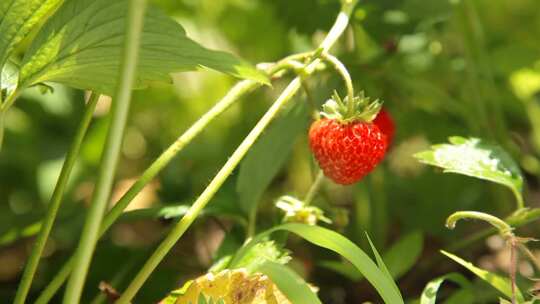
(231, 287)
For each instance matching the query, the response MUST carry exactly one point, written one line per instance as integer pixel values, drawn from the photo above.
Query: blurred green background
(443, 67)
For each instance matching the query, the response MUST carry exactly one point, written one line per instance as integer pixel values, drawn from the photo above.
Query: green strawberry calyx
(362, 108)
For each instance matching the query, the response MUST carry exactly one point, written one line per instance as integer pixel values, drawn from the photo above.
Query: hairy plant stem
(520, 203)
(504, 230)
(54, 204)
(312, 192)
(186, 221)
(344, 73)
(111, 153)
(513, 263)
(237, 91)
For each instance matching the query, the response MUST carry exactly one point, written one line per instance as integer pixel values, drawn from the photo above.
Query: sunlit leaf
(501, 284)
(9, 78)
(18, 18)
(429, 294)
(476, 158)
(81, 46)
(334, 241)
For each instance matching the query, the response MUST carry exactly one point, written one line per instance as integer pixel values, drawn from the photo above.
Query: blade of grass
(54, 204)
(333, 241)
(382, 266)
(111, 153)
(503, 285)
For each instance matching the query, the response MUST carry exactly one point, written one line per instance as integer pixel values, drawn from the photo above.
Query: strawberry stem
(344, 73)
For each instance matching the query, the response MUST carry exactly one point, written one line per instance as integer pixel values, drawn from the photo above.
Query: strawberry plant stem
(186, 221)
(344, 73)
(314, 188)
(111, 153)
(178, 230)
(240, 89)
(54, 204)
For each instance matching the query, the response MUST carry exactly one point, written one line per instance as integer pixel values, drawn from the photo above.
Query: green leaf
(381, 264)
(429, 294)
(331, 240)
(402, 256)
(473, 157)
(289, 283)
(399, 258)
(81, 46)
(17, 19)
(501, 284)
(267, 156)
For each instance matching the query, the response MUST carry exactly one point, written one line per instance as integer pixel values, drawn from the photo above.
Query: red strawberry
(347, 151)
(386, 124)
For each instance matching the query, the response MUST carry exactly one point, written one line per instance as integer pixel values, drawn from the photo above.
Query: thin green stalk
(90, 233)
(344, 73)
(54, 204)
(240, 89)
(186, 221)
(178, 230)
(520, 203)
(314, 188)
